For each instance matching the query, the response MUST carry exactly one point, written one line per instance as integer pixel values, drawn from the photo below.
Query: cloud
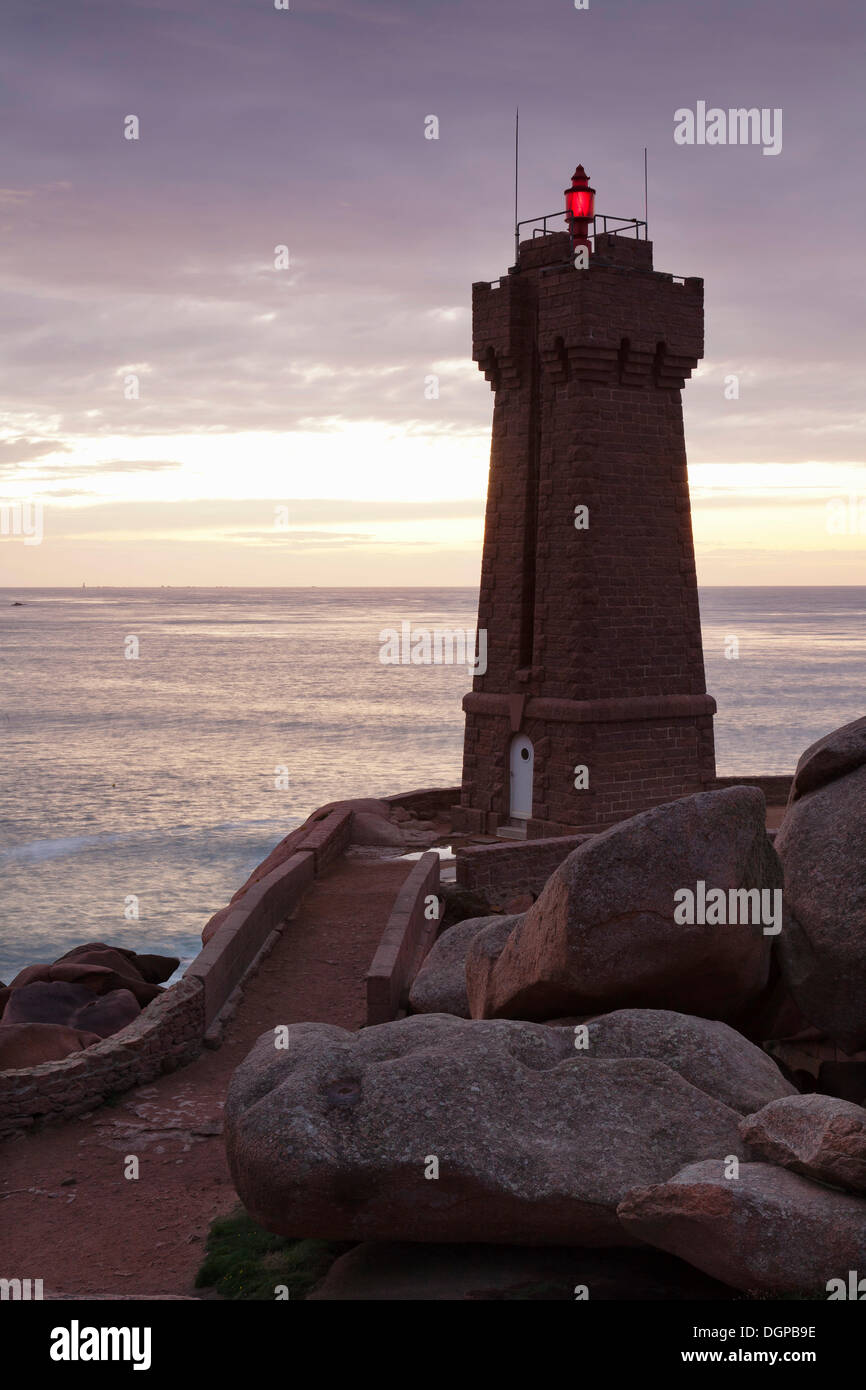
(58, 492)
(13, 197)
(817, 497)
(22, 455)
(17, 451)
(86, 470)
(257, 515)
(76, 469)
(292, 539)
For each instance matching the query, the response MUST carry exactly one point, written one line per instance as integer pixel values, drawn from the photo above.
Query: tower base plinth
(598, 761)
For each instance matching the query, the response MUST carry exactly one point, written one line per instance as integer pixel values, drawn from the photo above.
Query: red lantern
(579, 204)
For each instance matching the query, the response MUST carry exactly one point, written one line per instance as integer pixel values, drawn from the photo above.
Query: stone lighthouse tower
(593, 704)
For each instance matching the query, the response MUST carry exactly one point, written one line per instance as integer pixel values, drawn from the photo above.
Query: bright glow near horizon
(339, 460)
(116, 527)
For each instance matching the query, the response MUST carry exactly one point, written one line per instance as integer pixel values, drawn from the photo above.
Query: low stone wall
(171, 1030)
(325, 833)
(515, 866)
(245, 930)
(166, 1034)
(407, 938)
(221, 965)
(327, 838)
(775, 788)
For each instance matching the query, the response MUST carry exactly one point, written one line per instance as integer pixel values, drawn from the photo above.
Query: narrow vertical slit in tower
(622, 359)
(562, 358)
(530, 509)
(658, 363)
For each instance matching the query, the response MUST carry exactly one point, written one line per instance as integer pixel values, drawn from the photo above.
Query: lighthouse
(593, 705)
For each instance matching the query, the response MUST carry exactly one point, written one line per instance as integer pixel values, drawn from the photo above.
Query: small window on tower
(622, 358)
(562, 357)
(659, 362)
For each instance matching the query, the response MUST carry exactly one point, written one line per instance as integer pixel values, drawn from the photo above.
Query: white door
(522, 761)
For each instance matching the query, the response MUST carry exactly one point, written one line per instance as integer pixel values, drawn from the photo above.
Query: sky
(179, 406)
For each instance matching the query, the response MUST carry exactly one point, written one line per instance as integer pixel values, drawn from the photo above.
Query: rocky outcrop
(99, 968)
(155, 969)
(830, 757)
(369, 829)
(461, 904)
(161, 1038)
(819, 1136)
(73, 1006)
(603, 933)
(433, 1128)
(482, 954)
(213, 924)
(440, 985)
(710, 1055)
(30, 1044)
(767, 1231)
(358, 805)
(92, 991)
(131, 966)
(822, 949)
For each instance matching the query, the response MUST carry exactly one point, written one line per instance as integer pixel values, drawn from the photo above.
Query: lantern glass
(581, 203)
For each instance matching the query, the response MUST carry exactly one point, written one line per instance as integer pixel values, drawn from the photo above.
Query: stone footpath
(67, 1213)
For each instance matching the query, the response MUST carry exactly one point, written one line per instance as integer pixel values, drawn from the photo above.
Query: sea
(157, 743)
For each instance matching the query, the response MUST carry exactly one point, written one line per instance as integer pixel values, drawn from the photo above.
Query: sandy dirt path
(68, 1215)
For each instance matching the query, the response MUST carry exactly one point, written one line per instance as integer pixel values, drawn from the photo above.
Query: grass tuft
(244, 1261)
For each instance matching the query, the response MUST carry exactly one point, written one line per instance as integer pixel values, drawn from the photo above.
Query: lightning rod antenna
(516, 159)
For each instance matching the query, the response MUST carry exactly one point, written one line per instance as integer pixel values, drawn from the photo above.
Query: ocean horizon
(160, 741)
